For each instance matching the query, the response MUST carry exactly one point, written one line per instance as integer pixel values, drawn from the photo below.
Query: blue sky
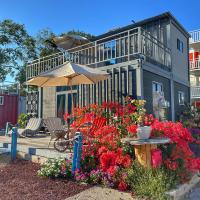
(94, 16)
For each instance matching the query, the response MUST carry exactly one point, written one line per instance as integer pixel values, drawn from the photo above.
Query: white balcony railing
(195, 36)
(122, 47)
(194, 65)
(195, 92)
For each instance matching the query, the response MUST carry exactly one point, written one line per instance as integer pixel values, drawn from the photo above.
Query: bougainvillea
(180, 155)
(104, 157)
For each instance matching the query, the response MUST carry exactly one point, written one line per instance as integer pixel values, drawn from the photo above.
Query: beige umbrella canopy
(69, 41)
(68, 74)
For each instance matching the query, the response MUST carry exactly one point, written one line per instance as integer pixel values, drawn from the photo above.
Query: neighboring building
(144, 57)
(11, 104)
(194, 58)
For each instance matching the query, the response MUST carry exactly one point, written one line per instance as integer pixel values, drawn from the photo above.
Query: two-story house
(144, 57)
(194, 59)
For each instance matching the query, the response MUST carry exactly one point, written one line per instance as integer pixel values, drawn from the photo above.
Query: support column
(139, 82)
(40, 90)
(172, 98)
(127, 80)
(120, 85)
(113, 85)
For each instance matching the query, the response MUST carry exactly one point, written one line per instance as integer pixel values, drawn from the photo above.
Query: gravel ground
(19, 181)
(4, 160)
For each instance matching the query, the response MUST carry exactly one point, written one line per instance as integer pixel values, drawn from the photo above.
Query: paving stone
(100, 193)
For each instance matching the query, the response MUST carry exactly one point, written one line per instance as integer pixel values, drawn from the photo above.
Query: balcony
(195, 92)
(195, 39)
(125, 46)
(195, 67)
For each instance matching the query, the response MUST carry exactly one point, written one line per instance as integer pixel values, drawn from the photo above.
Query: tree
(16, 47)
(43, 40)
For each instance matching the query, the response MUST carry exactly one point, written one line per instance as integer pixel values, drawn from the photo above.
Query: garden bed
(19, 181)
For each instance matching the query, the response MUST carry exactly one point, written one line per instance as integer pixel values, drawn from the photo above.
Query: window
(180, 45)
(157, 87)
(181, 98)
(1, 100)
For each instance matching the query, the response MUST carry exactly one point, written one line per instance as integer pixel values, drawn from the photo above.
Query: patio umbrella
(69, 41)
(68, 74)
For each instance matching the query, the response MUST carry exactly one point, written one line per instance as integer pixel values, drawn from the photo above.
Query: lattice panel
(32, 103)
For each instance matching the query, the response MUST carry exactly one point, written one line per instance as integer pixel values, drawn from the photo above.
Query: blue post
(14, 144)
(77, 152)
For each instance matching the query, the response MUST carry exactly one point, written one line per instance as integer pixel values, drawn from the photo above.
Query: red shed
(8, 109)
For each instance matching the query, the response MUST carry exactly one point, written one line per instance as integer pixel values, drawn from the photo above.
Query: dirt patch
(4, 160)
(19, 181)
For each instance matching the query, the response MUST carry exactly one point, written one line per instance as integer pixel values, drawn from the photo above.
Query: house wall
(49, 102)
(148, 78)
(122, 82)
(179, 108)
(180, 65)
(159, 29)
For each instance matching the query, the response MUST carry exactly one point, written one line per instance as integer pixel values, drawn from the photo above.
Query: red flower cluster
(148, 120)
(132, 129)
(111, 159)
(181, 137)
(172, 165)
(122, 186)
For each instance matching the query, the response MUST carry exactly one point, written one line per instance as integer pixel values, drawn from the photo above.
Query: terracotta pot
(143, 132)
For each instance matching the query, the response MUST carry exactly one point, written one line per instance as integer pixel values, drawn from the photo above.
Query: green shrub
(151, 183)
(23, 120)
(54, 168)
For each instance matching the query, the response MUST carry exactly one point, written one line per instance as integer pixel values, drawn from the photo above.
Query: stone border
(181, 190)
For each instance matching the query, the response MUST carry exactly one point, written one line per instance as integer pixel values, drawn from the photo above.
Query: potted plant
(142, 119)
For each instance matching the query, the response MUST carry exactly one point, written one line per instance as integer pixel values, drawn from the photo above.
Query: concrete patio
(34, 149)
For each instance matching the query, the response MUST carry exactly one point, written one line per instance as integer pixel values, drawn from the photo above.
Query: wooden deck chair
(55, 127)
(98, 123)
(33, 126)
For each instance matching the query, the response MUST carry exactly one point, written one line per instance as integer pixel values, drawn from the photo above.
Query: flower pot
(143, 132)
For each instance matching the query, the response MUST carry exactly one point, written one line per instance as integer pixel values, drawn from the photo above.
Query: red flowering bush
(105, 159)
(177, 155)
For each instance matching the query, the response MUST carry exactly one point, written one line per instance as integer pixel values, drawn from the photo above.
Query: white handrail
(195, 91)
(118, 49)
(194, 65)
(195, 35)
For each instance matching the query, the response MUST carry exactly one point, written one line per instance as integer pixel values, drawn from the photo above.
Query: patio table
(143, 148)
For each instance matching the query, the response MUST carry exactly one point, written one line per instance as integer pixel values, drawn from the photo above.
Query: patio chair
(33, 127)
(55, 128)
(98, 123)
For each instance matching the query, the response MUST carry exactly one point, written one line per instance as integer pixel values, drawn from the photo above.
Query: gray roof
(142, 22)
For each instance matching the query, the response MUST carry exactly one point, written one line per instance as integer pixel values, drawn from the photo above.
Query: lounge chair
(55, 128)
(33, 127)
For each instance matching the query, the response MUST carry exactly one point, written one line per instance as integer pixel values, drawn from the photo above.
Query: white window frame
(181, 98)
(1, 100)
(157, 83)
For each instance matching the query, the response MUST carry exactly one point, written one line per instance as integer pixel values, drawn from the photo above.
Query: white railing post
(139, 40)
